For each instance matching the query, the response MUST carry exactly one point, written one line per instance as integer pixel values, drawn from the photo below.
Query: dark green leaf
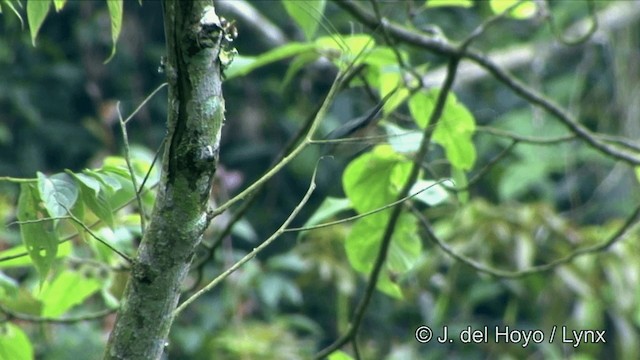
(39, 238)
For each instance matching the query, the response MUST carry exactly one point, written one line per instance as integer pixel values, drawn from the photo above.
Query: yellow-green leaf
(59, 4)
(440, 3)
(374, 179)
(36, 13)
(14, 343)
(68, 289)
(523, 11)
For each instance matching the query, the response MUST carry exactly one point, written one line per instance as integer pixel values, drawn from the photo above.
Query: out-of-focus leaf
(242, 65)
(59, 4)
(307, 14)
(523, 11)
(64, 249)
(115, 14)
(13, 9)
(14, 343)
(456, 3)
(36, 13)
(65, 291)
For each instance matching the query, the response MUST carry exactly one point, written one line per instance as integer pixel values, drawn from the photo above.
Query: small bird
(353, 126)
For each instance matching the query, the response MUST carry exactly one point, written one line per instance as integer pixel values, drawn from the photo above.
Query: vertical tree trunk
(195, 117)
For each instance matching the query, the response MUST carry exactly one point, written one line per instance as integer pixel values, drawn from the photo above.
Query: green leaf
(36, 13)
(14, 343)
(95, 198)
(65, 291)
(59, 4)
(525, 10)
(64, 249)
(242, 65)
(13, 9)
(115, 14)
(307, 14)
(441, 3)
(638, 173)
(454, 130)
(58, 192)
(340, 355)
(374, 179)
(343, 50)
(460, 180)
(39, 238)
(363, 243)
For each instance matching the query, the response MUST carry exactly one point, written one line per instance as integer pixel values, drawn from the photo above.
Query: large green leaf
(39, 238)
(14, 343)
(115, 14)
(58, 193)
(454, 130)
(307, 14)
(374, 179)
(65, 291)
(363, 244)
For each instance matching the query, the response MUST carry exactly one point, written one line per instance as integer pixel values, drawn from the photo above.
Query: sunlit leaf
(36, 13)
(441, 3)
(329, 208)
(525, 10)
(434, 194)
(115, 14)
(340, 355)
(454, 130)
(59, 4)
(39, 238)
(14, 343)
(68, 289)
(374, 179)
(307, 14)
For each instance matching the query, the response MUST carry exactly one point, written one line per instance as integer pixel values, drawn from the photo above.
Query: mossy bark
(194, 120)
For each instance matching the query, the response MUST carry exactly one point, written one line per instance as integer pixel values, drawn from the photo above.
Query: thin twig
(633, 220)
(255, 251)
(370, 212)
(127, 157)
(394, 215)
(441, 46)
(93, 235)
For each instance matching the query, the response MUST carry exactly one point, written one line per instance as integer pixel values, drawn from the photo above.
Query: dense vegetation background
(540, 202)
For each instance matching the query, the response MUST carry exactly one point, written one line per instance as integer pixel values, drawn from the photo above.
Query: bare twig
(255, 251)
